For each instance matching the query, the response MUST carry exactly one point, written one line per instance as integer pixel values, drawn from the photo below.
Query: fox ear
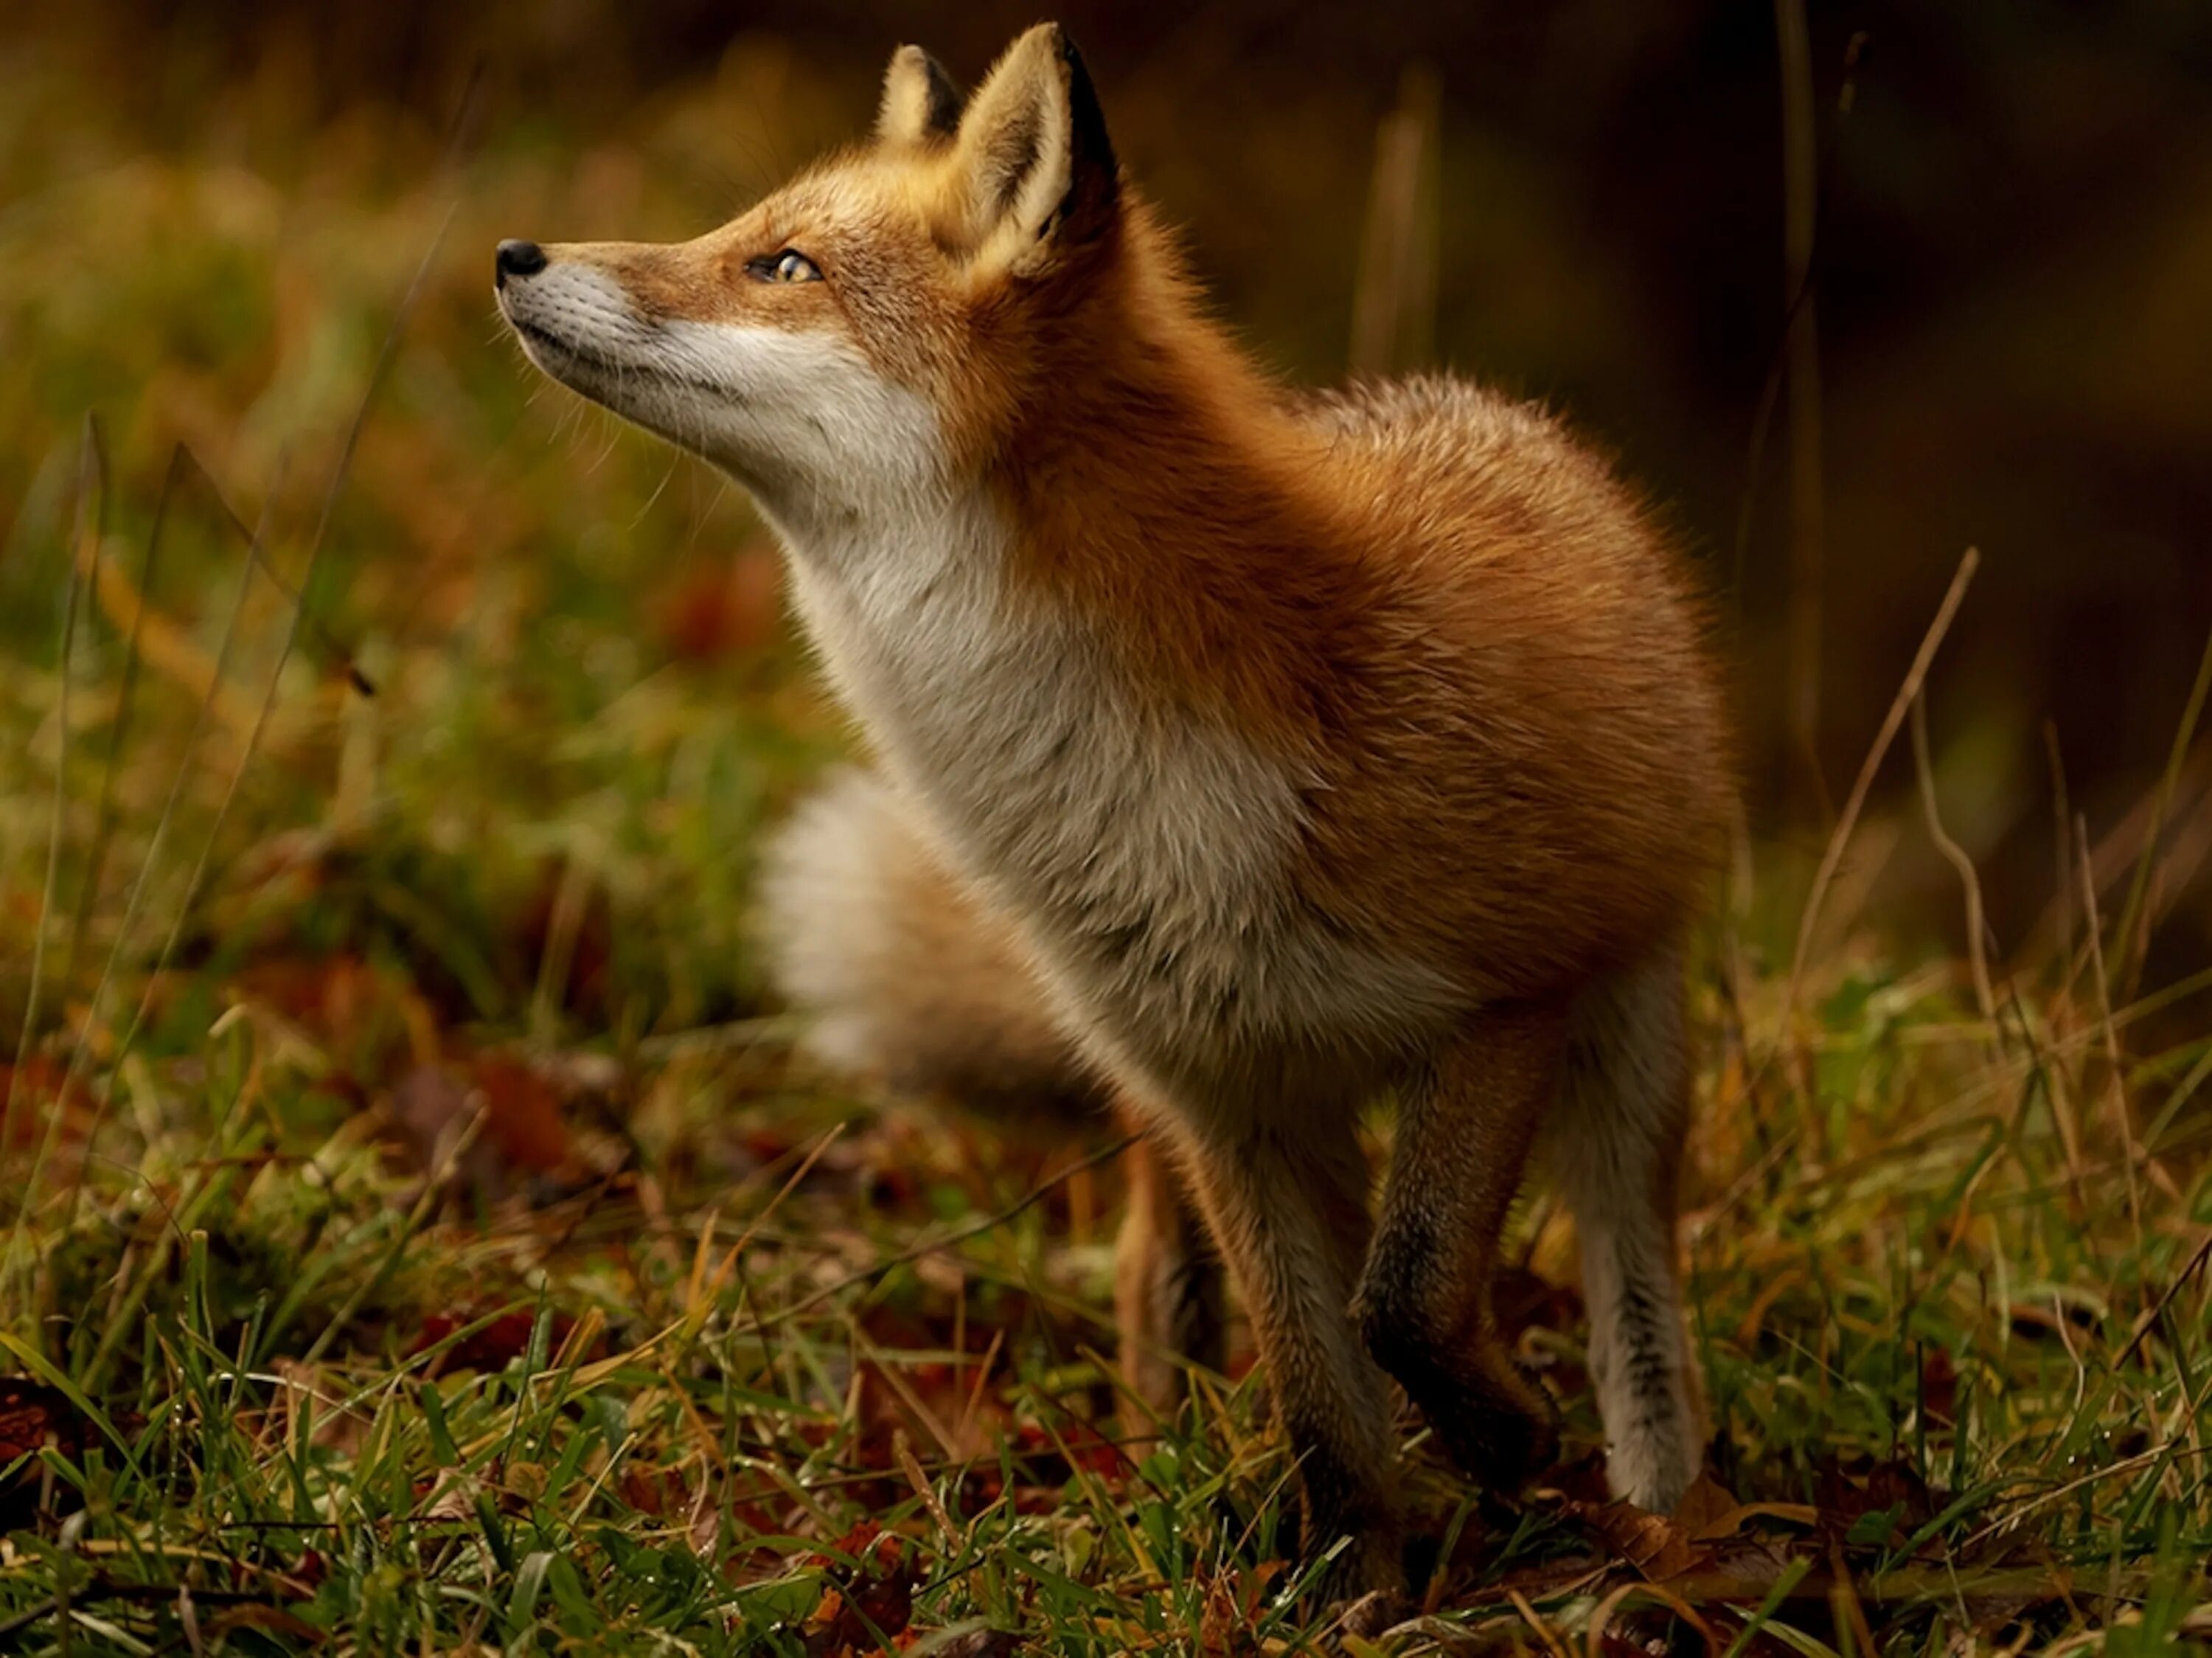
(1033, 145)
(920, 104)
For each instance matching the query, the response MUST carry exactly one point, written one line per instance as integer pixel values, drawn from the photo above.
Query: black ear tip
(1089, 117)
(940, 114)
(943, 95)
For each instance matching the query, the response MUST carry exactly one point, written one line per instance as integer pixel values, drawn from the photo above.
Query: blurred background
(1848, 287)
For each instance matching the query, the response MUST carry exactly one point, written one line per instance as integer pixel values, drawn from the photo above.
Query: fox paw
(1502, 1436)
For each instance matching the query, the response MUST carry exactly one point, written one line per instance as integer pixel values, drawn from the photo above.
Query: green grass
(454, 1257)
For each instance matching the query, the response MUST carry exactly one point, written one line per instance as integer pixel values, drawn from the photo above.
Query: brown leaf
(1727, 1525)
(33, 1416)
(863, 1609)
(1939, 1385)
(274, 1619)
(658, 1492)
(714, 608)
(1706, 1502)
(525, 1145)
(37, 1085)
(1708, 1512)
(452, 1496)
(522, 1113)
(494, 1347)
(1846, 1490)
(426, 1104)
(1656, 1545)
(365, 1016)
(1522, 1300)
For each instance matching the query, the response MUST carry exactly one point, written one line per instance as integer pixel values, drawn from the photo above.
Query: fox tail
(903, 975)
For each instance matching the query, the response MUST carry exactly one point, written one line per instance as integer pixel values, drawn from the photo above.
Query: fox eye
(789, 265)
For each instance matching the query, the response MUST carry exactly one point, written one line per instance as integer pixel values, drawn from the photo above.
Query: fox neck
(974, 632)
(1150, 515)
(1021, 723)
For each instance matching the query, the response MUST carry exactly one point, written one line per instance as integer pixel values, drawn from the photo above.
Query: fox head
(873, 328)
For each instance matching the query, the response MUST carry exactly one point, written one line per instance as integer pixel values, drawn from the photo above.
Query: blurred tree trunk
(1808, 791)
(1393, 305)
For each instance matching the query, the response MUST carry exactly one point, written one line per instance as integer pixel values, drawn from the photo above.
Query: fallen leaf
(1657, 1546)
(33, 1416)
(1708, 1512)
(453, 1495)
(1728, 1524)
(1706, 1502)
(273, 1619)
(522, 1113)
(494, 1347)
(1939, 1385)
(36, 1085)
(1522, 1300)
(526, 1146)
(714, 608)
(1846, 1491)
(865, 1607)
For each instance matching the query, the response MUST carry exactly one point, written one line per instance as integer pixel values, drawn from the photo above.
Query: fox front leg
(1288, 1210)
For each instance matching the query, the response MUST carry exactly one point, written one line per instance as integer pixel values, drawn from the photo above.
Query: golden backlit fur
(1249, 755)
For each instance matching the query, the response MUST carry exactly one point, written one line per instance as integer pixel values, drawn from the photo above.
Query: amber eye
(789, 265)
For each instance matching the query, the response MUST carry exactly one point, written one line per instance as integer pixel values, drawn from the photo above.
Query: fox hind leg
(1617, 1148)
(1167, 1290)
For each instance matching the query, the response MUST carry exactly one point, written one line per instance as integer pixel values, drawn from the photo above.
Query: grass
(419, 1235)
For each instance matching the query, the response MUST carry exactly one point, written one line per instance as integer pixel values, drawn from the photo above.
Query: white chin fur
(800, 416)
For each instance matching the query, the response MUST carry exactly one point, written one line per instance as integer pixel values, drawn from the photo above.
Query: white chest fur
(1151, 855)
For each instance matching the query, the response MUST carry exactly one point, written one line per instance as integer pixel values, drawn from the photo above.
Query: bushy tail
(905, 975)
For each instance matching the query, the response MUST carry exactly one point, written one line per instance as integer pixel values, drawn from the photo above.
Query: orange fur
(1254, 751)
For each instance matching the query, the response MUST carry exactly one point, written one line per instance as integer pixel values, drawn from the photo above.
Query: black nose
(516, 258)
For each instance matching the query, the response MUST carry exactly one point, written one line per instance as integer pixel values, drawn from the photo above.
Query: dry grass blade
(2062, 824)
(337, 647)
(2149, 1321)
(1394, 301)
(1915, 677)
(1801, 215)
(2133, 939)
(80, 1051)
(118, 736)
(2113, 1085)
(1977, 959)
(377, 376)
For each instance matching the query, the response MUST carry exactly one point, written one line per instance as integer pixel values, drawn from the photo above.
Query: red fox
(1245, 755)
